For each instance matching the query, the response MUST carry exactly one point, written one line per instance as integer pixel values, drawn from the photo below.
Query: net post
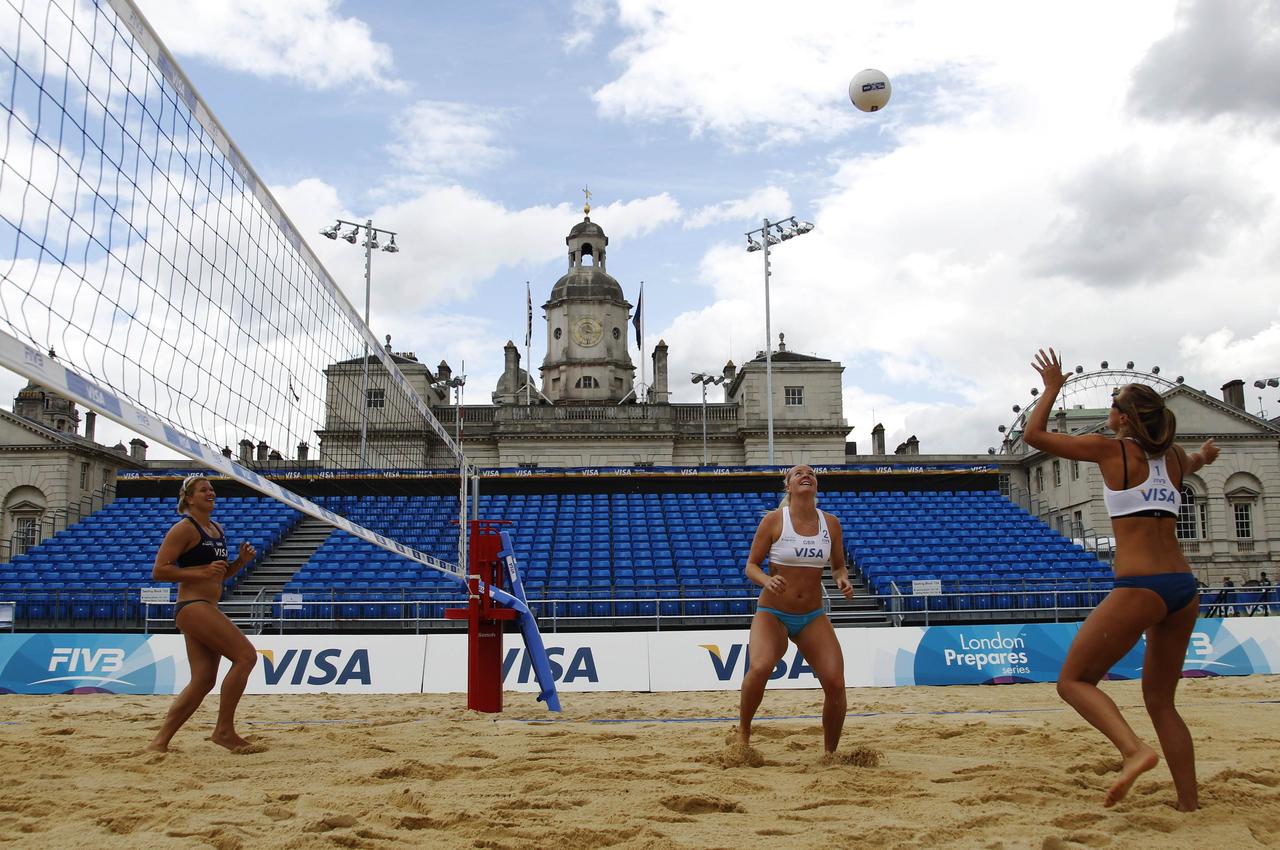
(484, 616)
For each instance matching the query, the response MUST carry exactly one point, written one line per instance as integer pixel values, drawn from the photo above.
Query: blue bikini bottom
(1176, 589)
(795, 623)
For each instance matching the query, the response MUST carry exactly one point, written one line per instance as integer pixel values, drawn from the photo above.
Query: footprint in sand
(329, 823)
(735, 754)
(701, 804)
(856, 757)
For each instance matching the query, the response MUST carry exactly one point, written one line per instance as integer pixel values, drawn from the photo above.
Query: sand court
(992, 767)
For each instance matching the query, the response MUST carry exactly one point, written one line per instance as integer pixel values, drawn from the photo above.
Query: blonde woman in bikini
(799, 541)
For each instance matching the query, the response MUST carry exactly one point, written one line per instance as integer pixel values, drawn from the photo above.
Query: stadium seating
(90, 573)
(582, 554)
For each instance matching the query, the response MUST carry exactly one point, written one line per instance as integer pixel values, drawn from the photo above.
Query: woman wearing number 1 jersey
(1155, 591)
(799, 541)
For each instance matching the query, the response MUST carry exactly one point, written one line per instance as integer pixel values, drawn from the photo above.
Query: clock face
(587, 331)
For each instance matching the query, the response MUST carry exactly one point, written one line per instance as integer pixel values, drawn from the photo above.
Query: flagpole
(528, 341)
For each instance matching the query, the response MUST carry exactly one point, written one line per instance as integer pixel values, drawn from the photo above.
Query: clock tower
(587, 358)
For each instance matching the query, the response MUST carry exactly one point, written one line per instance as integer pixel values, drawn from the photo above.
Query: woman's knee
(202, 683)
(244, 658)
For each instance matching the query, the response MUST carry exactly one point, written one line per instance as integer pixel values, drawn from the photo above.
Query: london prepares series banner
(659, 661)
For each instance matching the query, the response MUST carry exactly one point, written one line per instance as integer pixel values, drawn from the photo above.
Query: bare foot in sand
(156, 747)
(1134, 766)
(230, 740)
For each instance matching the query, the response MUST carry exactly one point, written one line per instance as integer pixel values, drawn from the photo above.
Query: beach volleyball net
(149, 274)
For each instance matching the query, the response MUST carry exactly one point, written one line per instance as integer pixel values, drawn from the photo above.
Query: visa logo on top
(323, 667)
(737, 660)
(1158, 494)
(808, 551)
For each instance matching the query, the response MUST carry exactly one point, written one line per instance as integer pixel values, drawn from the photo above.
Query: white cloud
(305, 41)
(436, 138)
(769, 201)
(587, 18)
(450, 240)
(1042, 213)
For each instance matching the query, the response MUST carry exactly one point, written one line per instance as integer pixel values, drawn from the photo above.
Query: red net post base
(484, 617)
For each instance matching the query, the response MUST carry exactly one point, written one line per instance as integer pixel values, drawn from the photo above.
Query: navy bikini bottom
(1176, 589)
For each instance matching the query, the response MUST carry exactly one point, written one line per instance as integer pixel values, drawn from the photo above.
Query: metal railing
(122, 610)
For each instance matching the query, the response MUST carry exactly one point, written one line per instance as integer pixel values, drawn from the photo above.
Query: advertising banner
(716, 661)
(336, 664)
(655, 661)
(53, 663)
(579, 662)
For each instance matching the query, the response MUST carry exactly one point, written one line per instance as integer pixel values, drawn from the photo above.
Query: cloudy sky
(1097, 176)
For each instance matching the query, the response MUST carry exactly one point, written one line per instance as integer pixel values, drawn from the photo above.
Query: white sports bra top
(1157, 496)
(794, 550)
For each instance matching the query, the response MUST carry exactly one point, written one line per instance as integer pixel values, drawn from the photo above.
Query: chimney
(90, 424)
(730, 372)
(660, 393)
(137, 449)
(1233, 393)
(303, 449)
(913, 445)
(877, 439)
(443, 372)
(226, 452)
(263, 448)
(246, 451)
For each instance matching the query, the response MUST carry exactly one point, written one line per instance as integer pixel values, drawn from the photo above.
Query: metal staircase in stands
(864, 609)
(248, 604)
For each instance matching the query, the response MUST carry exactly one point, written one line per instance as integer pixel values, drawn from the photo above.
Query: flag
(528, 325)
(636, 321)
(292, 392)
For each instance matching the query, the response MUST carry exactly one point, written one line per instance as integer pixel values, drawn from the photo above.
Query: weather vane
(586, 208)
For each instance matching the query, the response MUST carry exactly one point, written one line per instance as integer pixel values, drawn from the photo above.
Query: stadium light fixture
(370, 242)
(705, 379)
(768, 238)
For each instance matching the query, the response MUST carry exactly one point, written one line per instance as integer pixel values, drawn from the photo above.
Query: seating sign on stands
(926, 587)
(291, 601)
(155, 596)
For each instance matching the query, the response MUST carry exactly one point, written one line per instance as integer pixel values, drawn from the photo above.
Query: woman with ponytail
(1155, 591)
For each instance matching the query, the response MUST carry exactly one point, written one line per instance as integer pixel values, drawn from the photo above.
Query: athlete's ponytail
(1149, 420)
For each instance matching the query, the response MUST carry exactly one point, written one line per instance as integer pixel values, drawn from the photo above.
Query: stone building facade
(588, 409)
(50, 474)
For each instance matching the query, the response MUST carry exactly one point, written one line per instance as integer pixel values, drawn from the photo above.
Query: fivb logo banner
(77, 663)
(579, 662)
(716, 661)
(369, 664)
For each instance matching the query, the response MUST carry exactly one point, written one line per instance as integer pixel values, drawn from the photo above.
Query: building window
(1078, 530)
(375, 397)
(27, 533)
(1075, 470)
(1004, 485)
(1244, 520)
(1187, 527)
(84, 476)
(1057, 473)
(793, 396)
(1039, 479)
(586, 382)
(106, 477)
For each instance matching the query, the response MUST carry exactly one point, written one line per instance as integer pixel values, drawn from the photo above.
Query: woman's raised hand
(1050, 368)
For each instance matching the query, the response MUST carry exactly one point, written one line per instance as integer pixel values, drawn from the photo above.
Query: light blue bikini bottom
(795, 623)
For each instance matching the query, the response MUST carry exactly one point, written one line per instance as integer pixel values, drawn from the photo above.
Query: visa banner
(335, 664)
(579, 662)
